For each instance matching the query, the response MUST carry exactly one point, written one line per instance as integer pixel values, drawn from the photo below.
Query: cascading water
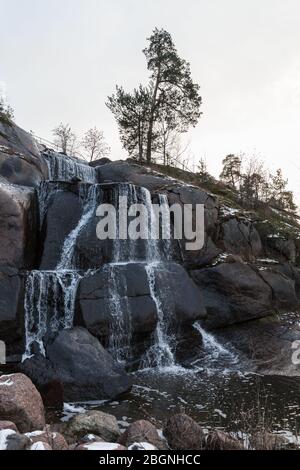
(160, 354)
(50, 295)
(64, 168)
(156, 250)
(119, 343)
(49, 306)
(45, 190)
(213, 349)
(89, 197)
(124, 249)
(166, 226)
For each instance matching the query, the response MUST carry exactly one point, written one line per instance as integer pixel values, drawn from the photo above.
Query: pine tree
(169, 103)
(231, 172)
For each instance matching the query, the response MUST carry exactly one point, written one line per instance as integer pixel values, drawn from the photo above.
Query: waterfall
(160, 353)
(156, 249)
(45, 191)
(166, 229)
(65, 168)
(211, 344)
(153, 253)
(120, 330)
(50, 295)
(49, 306)
(124, 249)
(89, 207)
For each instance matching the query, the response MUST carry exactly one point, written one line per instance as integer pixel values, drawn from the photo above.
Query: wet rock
(183, 433)
(268, 344)
(228, 293)
(63, 214)
(79, 362)
(142, 432)
(94, 422)
(21, 403)
(93, 297)
(219, 440)
(172, 285)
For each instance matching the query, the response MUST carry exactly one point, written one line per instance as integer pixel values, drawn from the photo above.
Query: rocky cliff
(248, 268)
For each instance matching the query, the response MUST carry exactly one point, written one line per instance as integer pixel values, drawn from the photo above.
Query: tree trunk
(151, 119)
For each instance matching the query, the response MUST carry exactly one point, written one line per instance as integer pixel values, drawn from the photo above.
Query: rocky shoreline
(23, 427)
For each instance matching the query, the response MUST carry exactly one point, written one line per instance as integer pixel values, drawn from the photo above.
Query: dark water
(218, 392)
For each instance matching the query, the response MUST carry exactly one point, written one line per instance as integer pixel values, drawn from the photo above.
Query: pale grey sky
(59, 59)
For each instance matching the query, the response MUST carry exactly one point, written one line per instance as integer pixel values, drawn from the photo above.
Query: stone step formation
(50, 297)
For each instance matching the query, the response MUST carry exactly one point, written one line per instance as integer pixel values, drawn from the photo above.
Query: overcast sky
(59, 59)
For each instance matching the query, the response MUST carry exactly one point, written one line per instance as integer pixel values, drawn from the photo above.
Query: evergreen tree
(131, 111)
(173, 90)
(169, 103)
(231, 172)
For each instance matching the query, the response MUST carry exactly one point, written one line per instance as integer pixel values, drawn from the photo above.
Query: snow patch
(38, 446)
(141, 446)
(3, 437)
(34, 433)
(101, 446)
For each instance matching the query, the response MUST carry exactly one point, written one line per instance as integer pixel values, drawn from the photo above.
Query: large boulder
(20, 158)
(183, 433)
(85, 369)
(97, 293)
(8, 425)
(142, 431)
(126, 290)
(18, 226)
(234, 292)
(94, 422)
(21, 403)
